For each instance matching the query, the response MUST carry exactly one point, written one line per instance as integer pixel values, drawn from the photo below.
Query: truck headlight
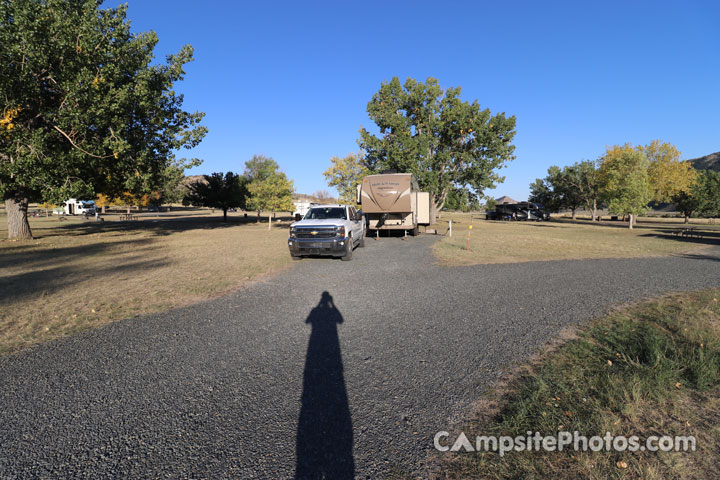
(340, 231)
(292, 232)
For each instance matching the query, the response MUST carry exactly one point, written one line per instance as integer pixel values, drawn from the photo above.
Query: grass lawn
(79, 274)
(649, 369)
(562, 239)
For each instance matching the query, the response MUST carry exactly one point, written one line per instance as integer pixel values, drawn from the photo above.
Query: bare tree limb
(78, 147)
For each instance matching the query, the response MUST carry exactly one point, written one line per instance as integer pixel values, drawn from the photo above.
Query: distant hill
(301, 197)
(192, 179)
(708, 162)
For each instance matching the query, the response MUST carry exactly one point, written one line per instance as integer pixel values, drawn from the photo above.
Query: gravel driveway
(333, 368)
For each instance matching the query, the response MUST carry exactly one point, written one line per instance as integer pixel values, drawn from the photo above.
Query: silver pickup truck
(332, 230)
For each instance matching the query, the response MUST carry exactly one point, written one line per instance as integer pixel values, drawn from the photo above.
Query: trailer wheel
(414, 232)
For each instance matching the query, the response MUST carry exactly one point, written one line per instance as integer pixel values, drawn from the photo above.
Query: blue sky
(292, 79)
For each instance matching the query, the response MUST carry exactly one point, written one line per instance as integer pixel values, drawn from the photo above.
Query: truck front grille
(318, 233)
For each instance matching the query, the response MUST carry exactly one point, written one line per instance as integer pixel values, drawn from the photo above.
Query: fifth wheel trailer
(393, 201)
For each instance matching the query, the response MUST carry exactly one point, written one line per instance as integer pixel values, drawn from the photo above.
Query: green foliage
(584, 178)
(624, 176)
(461, 199)
(546, 192)
(269, 188)
(569, 187)
(345, 174)
(88, 111)
(433, 134)
(222, 191)
(490, 204)
(707, 192)
(260, 167)
(669, 177)
(172, 189)
(272, 194)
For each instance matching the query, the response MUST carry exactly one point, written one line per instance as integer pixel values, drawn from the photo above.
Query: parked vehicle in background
(393, 201)
(332, 230)
(301, 208)
(518, 211)
(79, 207)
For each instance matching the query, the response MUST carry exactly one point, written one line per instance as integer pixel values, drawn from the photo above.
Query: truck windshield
(323, 213)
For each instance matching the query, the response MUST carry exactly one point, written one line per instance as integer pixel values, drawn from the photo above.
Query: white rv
(302, 207)
(79, 207)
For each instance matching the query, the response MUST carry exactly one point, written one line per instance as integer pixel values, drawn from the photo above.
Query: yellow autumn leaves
(6, 122)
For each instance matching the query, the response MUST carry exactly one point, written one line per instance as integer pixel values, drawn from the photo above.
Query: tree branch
(76, 146)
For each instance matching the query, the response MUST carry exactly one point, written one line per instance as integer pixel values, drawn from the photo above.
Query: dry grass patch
(510, 242)
(649, 369)
(81, 274)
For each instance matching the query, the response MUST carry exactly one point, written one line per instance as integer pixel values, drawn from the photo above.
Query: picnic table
(687, 232)
(128, 216)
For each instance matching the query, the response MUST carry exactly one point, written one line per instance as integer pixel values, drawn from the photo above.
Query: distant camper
(518, 211)
(79, 207)
(301, 208)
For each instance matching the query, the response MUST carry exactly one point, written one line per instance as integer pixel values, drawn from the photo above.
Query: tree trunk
(687, 218)
(128, 210)
(269, 221)
(574, 217)
(225, 214)
(18, 225)
(594, 210)
(631, 221)
(102, 209)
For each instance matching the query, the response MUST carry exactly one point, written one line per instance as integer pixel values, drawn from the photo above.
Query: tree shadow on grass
(20, 286)
(155, 224)
(708, 237)
(324, 441)
(40, 255)
(699, 256)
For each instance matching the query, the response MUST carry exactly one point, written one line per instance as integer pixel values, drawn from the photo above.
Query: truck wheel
(361, 243)
(348, 250)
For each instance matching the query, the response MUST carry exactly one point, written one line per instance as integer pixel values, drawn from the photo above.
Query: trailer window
(323, 213)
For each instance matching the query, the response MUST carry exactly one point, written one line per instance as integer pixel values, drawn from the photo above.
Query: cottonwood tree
(271, 194)
(490, 204)
(218, 190)
(173, 188)
(542, 191)
(625, 181)
(322, 195)
(711, 185)
(345, 174)
(257, 169)
(704, 197)
(669, 177)
(84, 111)
(430, 132)
(557, 190)
(584, 179)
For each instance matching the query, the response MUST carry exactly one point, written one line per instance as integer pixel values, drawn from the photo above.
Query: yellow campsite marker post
(467, 247)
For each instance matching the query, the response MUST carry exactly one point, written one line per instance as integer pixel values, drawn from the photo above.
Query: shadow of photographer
(324, 439)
